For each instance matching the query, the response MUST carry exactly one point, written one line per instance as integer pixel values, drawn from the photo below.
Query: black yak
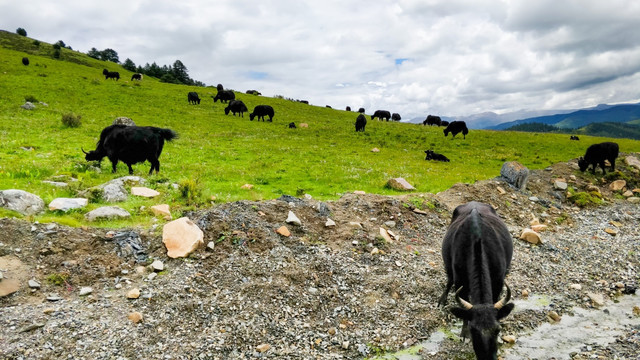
(596, 155)
(431, 155)
(224, 96)
(25, 61)
(396, 117)
(432, 120)
(261, 111)
(477, 251)
(193, 97)
(456, 127)
(361, 122)
(111, 75)
(381, 114)
(236, 106)
(136, 77)
(131, 145)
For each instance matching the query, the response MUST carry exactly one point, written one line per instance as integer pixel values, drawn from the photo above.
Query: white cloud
(414, 57)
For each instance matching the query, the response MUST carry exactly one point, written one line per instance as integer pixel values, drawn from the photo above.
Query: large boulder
(66, 204)
(400, 184)
(181, 237)
(114, 190)
(21, 201)
(515, 174)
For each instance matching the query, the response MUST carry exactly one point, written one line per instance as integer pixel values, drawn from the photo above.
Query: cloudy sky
(414, 57)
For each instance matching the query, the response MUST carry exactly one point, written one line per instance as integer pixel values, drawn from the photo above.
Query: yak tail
(168, 134)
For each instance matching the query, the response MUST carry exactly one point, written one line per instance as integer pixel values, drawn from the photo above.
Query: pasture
(216, 154)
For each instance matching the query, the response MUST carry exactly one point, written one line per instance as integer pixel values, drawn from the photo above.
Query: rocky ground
(341, 292)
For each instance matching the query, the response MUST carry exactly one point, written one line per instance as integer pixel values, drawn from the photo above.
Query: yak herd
(477, 248)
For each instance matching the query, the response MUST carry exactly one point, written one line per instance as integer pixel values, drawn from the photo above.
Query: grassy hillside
(217, 154)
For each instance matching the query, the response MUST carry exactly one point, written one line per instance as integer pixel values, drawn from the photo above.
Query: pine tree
(129, 65)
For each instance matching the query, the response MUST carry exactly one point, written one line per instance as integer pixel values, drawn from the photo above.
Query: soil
(339, 292)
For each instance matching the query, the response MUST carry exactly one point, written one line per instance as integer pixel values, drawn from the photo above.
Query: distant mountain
(487, 119)
(602, 113)
(604, 129)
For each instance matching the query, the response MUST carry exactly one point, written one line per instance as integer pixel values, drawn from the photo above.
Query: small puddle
(559, 340)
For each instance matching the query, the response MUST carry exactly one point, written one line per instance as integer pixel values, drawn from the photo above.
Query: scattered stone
(152, 276)
(8, 286)
(48, 311)
(632, 161)
(355, 224)
(375, 251)
(28, 106)
(539, 227)
(615, 223)
(515, 174)
(634, 200)
(304, 125)
(636, 310)
(282, 230)
(107, 213)
(375, 150)
(143, 192)
(123, 120)
(293, 219)
(617, 185)
(627, 193)
(21, 201)
(345, 345)
(501, 190)
(211, 245)
(385, 235)
(400, 184)
(181, 237)
(576, 287)
(612, 232)
(332, 331)
(157, 265)
(135, 317)
(55, 183)
(525, 293)
(33, 284)
(533, 198)
(592, 188)
(133, 293)
(553, 316)
(596, 299)
(162, 210)
(619, 285)
(560, 185)
(359, 192)
(509, 339)
(247, 186)
(54, 297)
(85, 290)
(530, 236)
(263, 348)
(330, 223)
(421, 212)
(66, 204)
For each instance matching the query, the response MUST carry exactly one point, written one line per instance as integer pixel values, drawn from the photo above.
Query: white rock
(330, 223)
(576, 287)
(107, 212)
(561, 185)
(293, 219)
(86, 290)
(21, 201)
(33, 284)
(157, 265)
(143, 192)
(66, 204)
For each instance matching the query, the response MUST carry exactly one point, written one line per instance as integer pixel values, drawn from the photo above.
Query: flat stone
(293, 219)
(596, 299)
(375, 150)
(617, 185)
(539, 227)
(143, 192)
(157, 265)
(247, 186)
(355, 224)
(501, 190)
(21, 201)
(390, 224)
(282, 230)
(181, 237)
(560, 185)
(612, 232)
(211, 245)
(162, 210)
(359, 192)
(33, 284)
(304, 125)
(133, 293)
(576, 287)
(66, 204)
(135, 317)
(634, 200)
(8, 287)
(530, 236)
(330, 223)
(400, 184)
(86, 290)
(509, 339)
(107, 213)
(632, 161)
(55, 183)
(385, 235)
(627, 193)
(263, 348)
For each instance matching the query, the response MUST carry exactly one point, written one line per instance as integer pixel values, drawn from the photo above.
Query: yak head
(583, 164)
(482, 320)
(226, 110)
(446, 132)
(92, 155)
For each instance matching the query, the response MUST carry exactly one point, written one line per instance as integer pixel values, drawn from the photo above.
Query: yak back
(132, 142)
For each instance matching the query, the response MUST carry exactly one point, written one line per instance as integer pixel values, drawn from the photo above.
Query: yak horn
(465, 304)
(502, 302)
(84, 151)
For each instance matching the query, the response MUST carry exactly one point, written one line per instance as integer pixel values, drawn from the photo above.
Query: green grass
(217, 154)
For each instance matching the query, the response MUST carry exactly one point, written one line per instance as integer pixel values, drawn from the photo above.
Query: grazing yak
(111, 74)
(253, 92)
(444, 123)
(573, 137)
(432, 120)
(193, 98)
(131, 145)
(395, 117)
(431, 155)
(224, 96)
(361, 122)
(292, 125)
(361, 110)
(381, 114)
(261, 111)
(596, 155)
(348, 108)
(303, 101)
(136, 77)
(25, 61)
(477, 251)
(236, 106)
(456, 127)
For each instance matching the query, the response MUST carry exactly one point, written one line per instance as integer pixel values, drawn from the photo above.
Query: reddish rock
(181, 237)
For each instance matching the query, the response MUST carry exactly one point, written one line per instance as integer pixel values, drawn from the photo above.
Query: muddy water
(559, 340)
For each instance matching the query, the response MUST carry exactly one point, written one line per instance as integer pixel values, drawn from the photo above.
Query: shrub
(36, 43)
(190, 190)
(56, 53)
(30, 98)
(584, 199)
(71, 120)
(21, 31)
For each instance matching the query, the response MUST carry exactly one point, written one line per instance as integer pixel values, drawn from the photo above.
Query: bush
(56, 54)
(71, 120)
(36, 43)
(21, 31)
(190, 190)
(30, 98)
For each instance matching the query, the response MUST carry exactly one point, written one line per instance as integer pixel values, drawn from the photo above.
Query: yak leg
(114, 163)
(155, 164)
(443, 298)
(602, 166)
(613, 164)
(130, 169)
